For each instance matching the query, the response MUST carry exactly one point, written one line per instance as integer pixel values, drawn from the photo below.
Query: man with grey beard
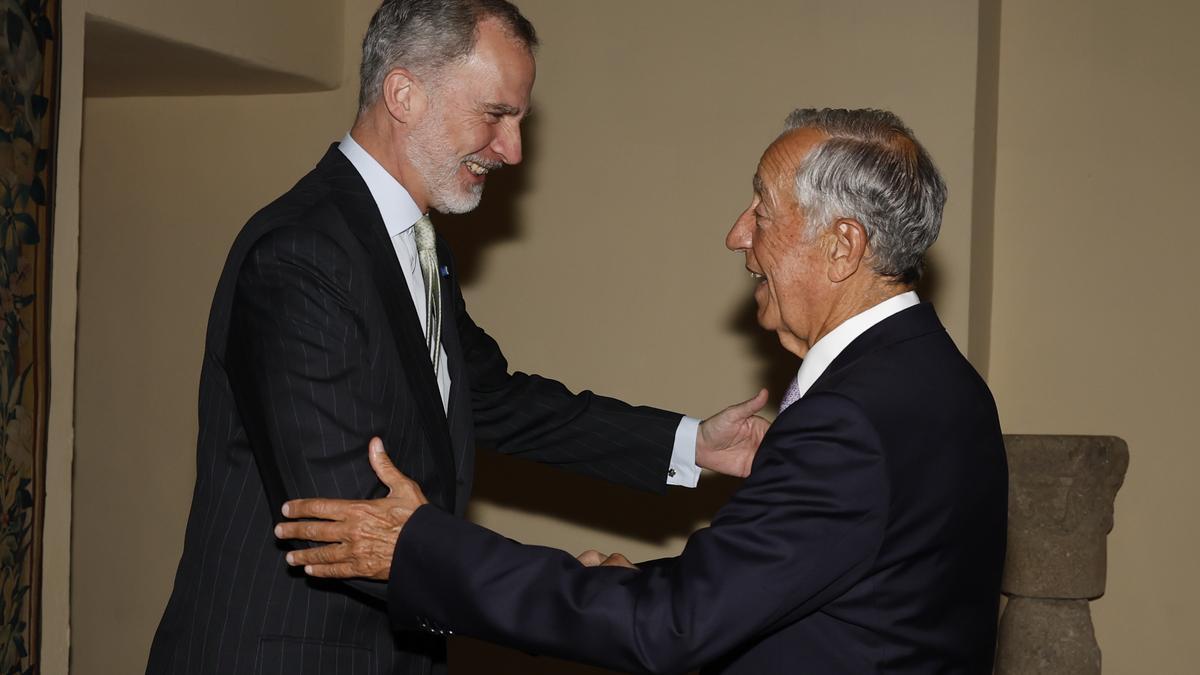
(338, 317)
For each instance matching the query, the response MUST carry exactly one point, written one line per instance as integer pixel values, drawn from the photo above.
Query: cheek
(463, 137)
(771, 256)
(479, 137)
(781, 298)
(784, 283)
(767, 309)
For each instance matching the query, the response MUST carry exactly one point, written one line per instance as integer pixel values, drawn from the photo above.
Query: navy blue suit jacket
(869, 538)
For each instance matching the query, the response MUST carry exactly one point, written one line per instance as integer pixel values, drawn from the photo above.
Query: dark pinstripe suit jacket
(314, 346)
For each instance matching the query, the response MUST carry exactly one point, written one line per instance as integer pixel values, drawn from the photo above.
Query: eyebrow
(759, 187)
(502, 109)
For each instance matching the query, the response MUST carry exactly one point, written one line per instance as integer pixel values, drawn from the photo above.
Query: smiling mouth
(757, 276)
(479, 168)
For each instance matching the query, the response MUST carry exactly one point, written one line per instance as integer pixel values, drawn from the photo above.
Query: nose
(741, 234)
(507, 143)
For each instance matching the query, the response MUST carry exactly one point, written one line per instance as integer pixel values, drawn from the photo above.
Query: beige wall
(1095, 314)
(283, 45)
(601, 262)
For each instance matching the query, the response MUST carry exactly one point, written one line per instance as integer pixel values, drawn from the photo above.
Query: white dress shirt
(827, 348)
(400, 213)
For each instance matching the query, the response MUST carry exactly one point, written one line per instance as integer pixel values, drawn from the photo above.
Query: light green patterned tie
(427, 256)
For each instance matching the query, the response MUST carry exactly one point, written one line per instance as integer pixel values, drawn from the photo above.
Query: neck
(387, 144)
(856, 301)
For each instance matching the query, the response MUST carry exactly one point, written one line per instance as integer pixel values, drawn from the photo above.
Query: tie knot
(423, 233)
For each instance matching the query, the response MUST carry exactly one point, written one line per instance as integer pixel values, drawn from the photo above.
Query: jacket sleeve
(301, 363)
(804, 527)
(540, 419)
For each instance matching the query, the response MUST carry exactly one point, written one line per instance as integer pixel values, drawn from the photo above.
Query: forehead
(779, 162)
(499, 65)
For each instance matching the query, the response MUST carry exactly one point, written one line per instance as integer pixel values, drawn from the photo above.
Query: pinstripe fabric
(314, 346)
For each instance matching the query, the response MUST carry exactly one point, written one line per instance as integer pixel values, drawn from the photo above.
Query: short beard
(431, 155)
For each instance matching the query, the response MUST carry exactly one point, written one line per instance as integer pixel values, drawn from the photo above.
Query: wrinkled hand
(727, 441)
(593, 558)
(362, 533)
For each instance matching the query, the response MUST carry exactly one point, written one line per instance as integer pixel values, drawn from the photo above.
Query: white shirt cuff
(683, 471)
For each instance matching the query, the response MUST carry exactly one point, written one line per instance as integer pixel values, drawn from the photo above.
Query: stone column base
(1041, 636)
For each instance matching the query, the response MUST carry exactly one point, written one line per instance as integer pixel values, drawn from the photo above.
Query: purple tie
(791, 395)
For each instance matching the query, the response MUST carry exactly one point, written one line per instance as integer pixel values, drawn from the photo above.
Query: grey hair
(427, 35)
(872, 169)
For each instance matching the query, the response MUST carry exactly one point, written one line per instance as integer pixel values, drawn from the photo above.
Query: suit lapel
(364, 221)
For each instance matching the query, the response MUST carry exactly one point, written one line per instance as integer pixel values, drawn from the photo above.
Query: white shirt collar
(829, 347)
(397, 207)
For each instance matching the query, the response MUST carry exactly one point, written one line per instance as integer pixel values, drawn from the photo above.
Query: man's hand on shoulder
(361, 534)
(727, 441)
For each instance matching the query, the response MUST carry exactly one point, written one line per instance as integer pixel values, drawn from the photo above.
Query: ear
(848, 248)
(403, 95)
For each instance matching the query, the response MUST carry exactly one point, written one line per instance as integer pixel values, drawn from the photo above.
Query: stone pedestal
(1060, 506)
(1039, 635)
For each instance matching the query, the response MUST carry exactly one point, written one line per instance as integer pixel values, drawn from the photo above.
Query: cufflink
(670, 473)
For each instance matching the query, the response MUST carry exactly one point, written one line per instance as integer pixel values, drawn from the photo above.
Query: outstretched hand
(727, 441)
(361, 533)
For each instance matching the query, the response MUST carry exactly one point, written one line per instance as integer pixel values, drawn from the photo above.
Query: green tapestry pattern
(28, 101)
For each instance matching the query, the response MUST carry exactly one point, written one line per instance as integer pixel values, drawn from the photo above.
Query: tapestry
(28, 107)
